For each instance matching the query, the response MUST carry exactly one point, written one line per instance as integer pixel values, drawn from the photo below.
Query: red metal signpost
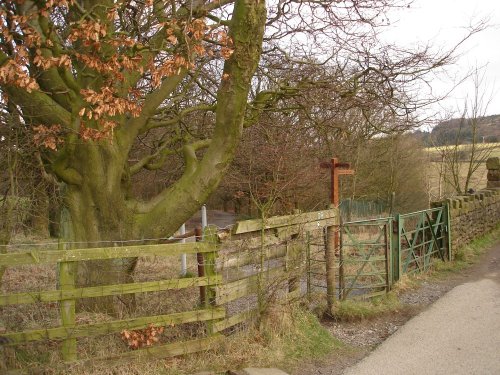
(332, 235)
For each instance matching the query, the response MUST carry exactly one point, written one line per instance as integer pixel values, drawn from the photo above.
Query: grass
(285, 336)
(468, 255)
(45, 315)
(352, 310)
(435, 167)
(495, 147)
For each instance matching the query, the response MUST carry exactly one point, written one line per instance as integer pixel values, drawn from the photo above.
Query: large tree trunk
(95, 214)
(97, 210)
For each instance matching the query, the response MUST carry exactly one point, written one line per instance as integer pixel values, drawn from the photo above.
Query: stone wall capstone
(493, 177)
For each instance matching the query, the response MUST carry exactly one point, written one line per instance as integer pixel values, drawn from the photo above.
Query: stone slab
(493, 163)
(493, 184)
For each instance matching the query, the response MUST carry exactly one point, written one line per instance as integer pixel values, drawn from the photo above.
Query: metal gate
(421, 237)
(365, 260)
(373, 254)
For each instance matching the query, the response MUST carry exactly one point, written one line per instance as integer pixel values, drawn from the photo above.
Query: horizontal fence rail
(68, 294)
(233, 275)
(254, 262)
(236, 272)
(76, 255)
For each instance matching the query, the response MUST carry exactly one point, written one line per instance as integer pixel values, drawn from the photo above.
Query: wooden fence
(238, 273)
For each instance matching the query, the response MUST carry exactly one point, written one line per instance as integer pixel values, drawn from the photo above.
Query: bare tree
(461, 162)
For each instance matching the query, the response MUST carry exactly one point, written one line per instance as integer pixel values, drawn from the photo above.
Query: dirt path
(475, 293)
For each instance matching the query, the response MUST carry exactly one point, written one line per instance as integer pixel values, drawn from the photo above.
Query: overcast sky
(442, 22)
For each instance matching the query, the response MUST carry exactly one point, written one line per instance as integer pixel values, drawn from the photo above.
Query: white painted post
(182, 231)
(204, 221)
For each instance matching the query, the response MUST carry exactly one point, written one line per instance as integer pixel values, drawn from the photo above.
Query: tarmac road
(458, 335)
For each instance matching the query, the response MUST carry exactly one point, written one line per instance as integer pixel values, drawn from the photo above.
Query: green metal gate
(365, 258)
(375, 253)
(421, 237)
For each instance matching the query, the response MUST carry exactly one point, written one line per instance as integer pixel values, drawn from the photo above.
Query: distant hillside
(446, 132)
(487, 130)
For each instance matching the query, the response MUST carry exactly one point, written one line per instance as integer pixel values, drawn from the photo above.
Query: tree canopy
(109, 91)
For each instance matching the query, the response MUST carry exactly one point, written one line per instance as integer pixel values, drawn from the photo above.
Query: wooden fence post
(210, 236)
(67, 280)
(396, 248)
(293, 260)
(330, 266)
(342, 295)
(400, 223)
(201, 265)
(308, 264)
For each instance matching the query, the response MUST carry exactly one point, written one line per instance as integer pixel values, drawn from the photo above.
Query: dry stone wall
(472, 215)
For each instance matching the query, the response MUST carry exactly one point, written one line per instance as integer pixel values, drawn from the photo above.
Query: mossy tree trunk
(97, 209)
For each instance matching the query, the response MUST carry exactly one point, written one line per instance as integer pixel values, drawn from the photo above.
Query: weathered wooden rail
(68, 294)
(244, 265)
(239, 272)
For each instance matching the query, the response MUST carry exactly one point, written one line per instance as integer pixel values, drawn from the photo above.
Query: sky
(443, 23)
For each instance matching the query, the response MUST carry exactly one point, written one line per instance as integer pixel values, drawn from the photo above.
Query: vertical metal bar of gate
(448, 231)
(387, 257)
(341, 261)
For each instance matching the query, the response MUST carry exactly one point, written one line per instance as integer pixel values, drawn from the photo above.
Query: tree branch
(189, 152)
(202, 177)
(40, 107)
(157, 123)
(146, 162)
(151, 103)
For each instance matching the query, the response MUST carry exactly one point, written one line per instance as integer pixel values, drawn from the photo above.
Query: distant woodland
(460, 131)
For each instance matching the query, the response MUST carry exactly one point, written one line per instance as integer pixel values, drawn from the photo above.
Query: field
(438, 177)
(434, 152)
